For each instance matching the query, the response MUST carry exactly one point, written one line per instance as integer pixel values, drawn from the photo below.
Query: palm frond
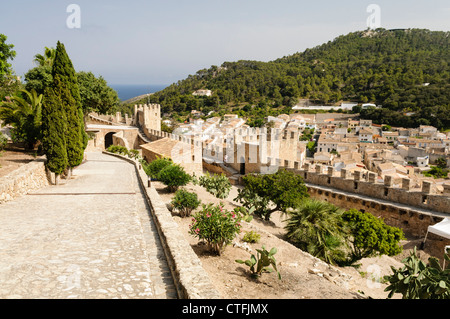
(315, 226)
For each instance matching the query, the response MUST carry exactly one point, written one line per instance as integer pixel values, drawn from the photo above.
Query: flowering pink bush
(216, 226)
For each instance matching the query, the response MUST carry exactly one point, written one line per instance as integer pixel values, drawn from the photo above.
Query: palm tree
(25, 115)
(46, 59)
(315, 226)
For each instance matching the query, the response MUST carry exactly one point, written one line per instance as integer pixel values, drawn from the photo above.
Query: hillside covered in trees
(405, 71)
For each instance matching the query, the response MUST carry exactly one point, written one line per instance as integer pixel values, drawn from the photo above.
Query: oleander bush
(216, 226)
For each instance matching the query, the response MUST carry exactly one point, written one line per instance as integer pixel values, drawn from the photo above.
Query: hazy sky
(163, 41)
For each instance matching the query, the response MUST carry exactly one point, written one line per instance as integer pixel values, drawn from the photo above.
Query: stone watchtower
(153, 117)
(148, 116)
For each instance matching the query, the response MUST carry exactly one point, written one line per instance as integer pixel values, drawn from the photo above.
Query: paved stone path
(89, 238)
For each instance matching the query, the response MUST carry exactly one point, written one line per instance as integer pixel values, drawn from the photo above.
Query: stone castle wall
(425, 197)
(414, 222)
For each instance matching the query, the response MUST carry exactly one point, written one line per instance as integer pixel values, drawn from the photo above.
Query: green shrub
(245, 213)
(251, 237)
(272, 192)
(173, 176)
(194, 180)
(185, 202)
(153, 168)
(250, 200)
(369, 235)
(436, 172)
(339, 237)
(441, 162)
(261, 262)
(145, 167)
(134, 153)
(217, 185)
(122, 150)
(117, 149)
(3, 141)
(215, 225)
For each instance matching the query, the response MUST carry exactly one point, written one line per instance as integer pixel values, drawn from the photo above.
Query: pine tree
(67, 89)
(54, 125)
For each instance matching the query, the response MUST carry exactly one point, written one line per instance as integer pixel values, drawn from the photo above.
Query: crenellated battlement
(253, 134)
(147, 115)
(424, 197)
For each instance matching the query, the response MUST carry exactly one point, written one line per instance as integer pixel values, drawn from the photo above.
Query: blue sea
(128, 91)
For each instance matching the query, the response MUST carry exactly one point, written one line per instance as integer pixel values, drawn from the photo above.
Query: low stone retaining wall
(21, 181)
(190, 278)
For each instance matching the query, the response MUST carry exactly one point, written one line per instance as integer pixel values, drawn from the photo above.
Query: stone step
(231, 171)
(234, 179)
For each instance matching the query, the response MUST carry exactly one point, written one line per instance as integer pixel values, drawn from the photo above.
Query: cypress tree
(54, 125)
(66, 87)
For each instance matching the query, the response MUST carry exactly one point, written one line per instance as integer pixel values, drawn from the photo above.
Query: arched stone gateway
(102, 136)
(109, 139)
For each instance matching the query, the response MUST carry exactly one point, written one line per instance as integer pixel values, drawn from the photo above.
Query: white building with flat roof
(202, 93)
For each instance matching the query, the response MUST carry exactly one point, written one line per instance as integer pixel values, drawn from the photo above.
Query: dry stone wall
(23, 180)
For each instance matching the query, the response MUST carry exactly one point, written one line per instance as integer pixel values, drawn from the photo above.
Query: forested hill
(405, 71)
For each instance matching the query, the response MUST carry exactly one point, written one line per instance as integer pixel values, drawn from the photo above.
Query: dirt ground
(302, 275)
